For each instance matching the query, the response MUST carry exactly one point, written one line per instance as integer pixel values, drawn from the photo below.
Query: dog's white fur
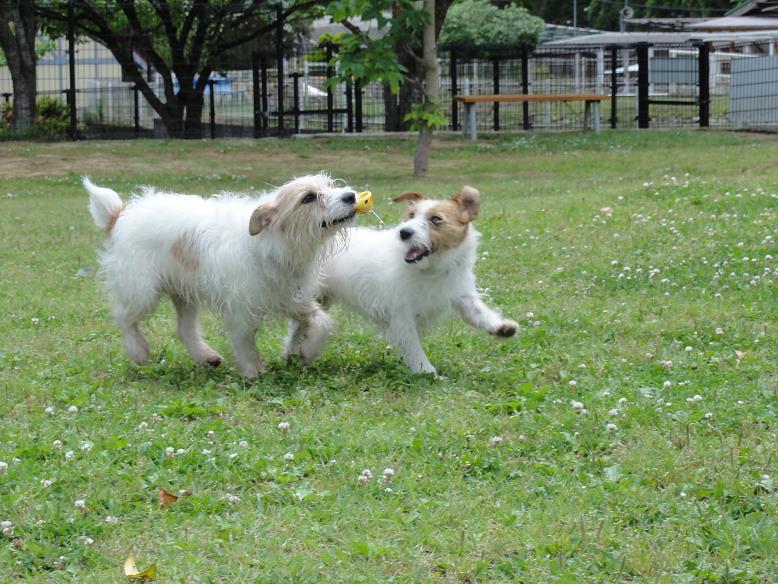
(404, 285)
(248, 258)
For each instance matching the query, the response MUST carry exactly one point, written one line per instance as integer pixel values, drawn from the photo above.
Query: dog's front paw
(507, 329)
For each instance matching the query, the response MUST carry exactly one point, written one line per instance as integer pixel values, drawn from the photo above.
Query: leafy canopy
(477, 23)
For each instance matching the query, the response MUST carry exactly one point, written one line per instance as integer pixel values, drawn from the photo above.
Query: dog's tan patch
(185, 253)
(448, 225)
(114, 218)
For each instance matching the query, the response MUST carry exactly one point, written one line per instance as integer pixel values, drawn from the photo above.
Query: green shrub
(477, 23)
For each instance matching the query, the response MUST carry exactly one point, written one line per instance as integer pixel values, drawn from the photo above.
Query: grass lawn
(641, 267)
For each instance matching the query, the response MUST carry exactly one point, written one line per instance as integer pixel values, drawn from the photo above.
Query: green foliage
(428, 115)
(51, 123)
(374, 58)
(476, 23)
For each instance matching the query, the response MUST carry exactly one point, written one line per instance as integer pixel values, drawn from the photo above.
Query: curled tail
(105, 205)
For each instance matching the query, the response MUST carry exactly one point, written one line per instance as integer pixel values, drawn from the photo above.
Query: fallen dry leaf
(166, 497)
(740, 354)
(132, 573)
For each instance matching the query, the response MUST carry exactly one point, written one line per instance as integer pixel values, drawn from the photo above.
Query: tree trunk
(431, 91)
(17, 39)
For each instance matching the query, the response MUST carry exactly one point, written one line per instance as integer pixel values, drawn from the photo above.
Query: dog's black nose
(405, 234)
(349, 198)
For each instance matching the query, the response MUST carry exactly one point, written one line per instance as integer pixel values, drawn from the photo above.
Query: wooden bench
(591, 106)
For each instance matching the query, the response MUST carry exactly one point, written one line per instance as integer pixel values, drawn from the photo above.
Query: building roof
(736, 23)
(755, 8)
(627, 39)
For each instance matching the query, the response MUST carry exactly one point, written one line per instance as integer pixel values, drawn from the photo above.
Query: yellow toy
(364, 202)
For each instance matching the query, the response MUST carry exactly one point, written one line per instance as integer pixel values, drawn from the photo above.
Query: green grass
(682, 490)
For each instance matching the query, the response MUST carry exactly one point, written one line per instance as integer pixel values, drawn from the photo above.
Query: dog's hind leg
(135, 344)
(478, 315)
(188, 330)
(404, 335)
(243, 336)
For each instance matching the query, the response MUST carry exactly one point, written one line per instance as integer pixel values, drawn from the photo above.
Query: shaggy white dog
(248, 258)
(410, 276)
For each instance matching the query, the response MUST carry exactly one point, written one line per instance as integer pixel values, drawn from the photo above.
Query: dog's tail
(105, 205)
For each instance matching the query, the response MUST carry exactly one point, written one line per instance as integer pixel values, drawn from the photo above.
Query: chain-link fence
(283, 90)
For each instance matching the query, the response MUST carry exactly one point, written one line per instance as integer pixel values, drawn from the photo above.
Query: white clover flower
(688, 349)
(73, 409)
(572, 383)
(46, 483)
(170, 451)
(495, 440)
(80, 503)
(697, 397)
(682, 494)
(110, 519)
(57, 444)
(611, 427)
(88, 541)
(206, 451)
(49, 410)
(289, 456)
(230, 498)
(87, 446)
(364, 476)
(622, 401)
(667, 384)
(143, 425)
(3, 466)
(530, 315)
(243, 444)
(613, 412)
(719, 331)
(709, 415)
(283, 426)
(388, 472)
(233, 455)
(388, 490)
(180, 452)
(70, 455)
(577, 406)
(6, 524)
(210, 433)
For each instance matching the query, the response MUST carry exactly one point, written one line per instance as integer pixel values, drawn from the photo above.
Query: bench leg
(587, 114)
(596, 114)
(472, 124)
(466, 120)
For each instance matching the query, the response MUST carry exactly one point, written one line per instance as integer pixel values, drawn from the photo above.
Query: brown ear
(409, 197)
(262, 217)
(469, 200)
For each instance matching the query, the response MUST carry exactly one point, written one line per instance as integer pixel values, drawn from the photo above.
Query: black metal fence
(286, 90)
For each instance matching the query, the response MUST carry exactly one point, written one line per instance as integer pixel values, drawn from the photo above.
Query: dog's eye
(436, 220)
(309, 198)
(411, 215)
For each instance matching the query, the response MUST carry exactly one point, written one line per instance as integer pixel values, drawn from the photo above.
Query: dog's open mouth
(349, 217)
(416, 253)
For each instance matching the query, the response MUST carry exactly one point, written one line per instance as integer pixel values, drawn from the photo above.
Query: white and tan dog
(248, 258)
(408, 277)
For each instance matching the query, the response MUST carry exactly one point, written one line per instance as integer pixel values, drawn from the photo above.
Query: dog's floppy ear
(413, 197)
(262, 217)
(469, 201)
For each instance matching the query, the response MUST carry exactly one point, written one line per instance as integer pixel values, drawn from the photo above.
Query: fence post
(255, 93)
(452, 65)
(280, 65)
(496, 88)
(358, 104)
(614, 86)
(73, 131)
(136, 110)
(212, 112)
(296, 95)
(643, 117)
(703, 69)
(349, 107)
(265, 96)
(525, 85)
(330, 100)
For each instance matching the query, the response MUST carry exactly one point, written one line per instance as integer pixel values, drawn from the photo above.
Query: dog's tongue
(412, 252)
